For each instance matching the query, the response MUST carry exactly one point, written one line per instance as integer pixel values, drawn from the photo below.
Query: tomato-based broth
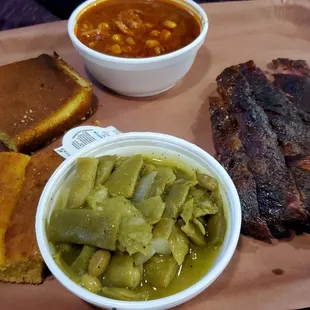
(136, 28)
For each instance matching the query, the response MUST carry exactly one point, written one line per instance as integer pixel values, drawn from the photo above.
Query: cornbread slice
(12, 167)
(24, 263)
(40, 99)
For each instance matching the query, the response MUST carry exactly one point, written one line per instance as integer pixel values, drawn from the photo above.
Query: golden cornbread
(41, 98)
(12, 167)
(23, 262)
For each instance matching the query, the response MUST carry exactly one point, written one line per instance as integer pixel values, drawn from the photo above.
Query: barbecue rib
(293, 78)
(261, 136)
(235, 161)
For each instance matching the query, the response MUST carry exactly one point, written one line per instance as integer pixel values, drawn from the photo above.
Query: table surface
(240, 31)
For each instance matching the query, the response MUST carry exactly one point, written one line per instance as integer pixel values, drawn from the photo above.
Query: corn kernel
(103, 26)
(130, 41)
(149, 25)
(170, 24)
(116, 49)
(155, 33)
(157, 50)
(92, 44)
(151, 43)
(165, 34)
(117, 38)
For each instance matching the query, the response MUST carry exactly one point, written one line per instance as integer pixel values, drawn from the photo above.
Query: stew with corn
(137, 28)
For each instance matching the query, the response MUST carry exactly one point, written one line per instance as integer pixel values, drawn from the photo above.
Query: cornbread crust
(24, 263)
(40, 99)
(12, 167)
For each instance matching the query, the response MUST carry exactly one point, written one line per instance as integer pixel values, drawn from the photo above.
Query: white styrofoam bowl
(140, 77)
(157, 145)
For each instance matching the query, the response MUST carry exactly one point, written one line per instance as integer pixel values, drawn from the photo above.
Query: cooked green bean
(152, 209)
(187, 211)
(105, 167)
(99, 263)
(83, 182)
(161, 233)
(97, 196)
(121, 272)
(80, 264)
(194, 234)
(123, 180)
(199, 225)
(165, 177)
(216, 227)
(204, 206)
(62, 199)
(163, 228)
(84, 226)
(197, 193)
(135, 234)
(183, 174)
(124, 226)
(176, 198)
(160, 270)
(65, 267)
(147, 169)
(121, 293)
(179, 244)
(206, 181)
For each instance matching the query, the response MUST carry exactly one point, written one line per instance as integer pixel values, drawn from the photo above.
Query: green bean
(105, 167)
(204, 207)
(187, 210)
(183, 174)
(62, 198)
(91, 283)
(161, 234)
(59, 259)
(194, 234)
(124, 179)
(147, 169)
(179, 244)
(97, 196)
(121, 293)
(121, 272)
(163, 228)
(160, 270)
(216, 227)
(165, 177)
(83, 182)
(199, 225)
(80, 265)
(176, 198)
(69, 252)
(152, 209)
(99, 263)
(206, 181)
(84, 226)
(197, 193)
(135, 234)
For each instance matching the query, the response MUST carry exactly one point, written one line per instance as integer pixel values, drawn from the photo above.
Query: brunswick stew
(137, 28)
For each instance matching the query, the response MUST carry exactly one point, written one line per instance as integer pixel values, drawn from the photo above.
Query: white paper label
(78, 137)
